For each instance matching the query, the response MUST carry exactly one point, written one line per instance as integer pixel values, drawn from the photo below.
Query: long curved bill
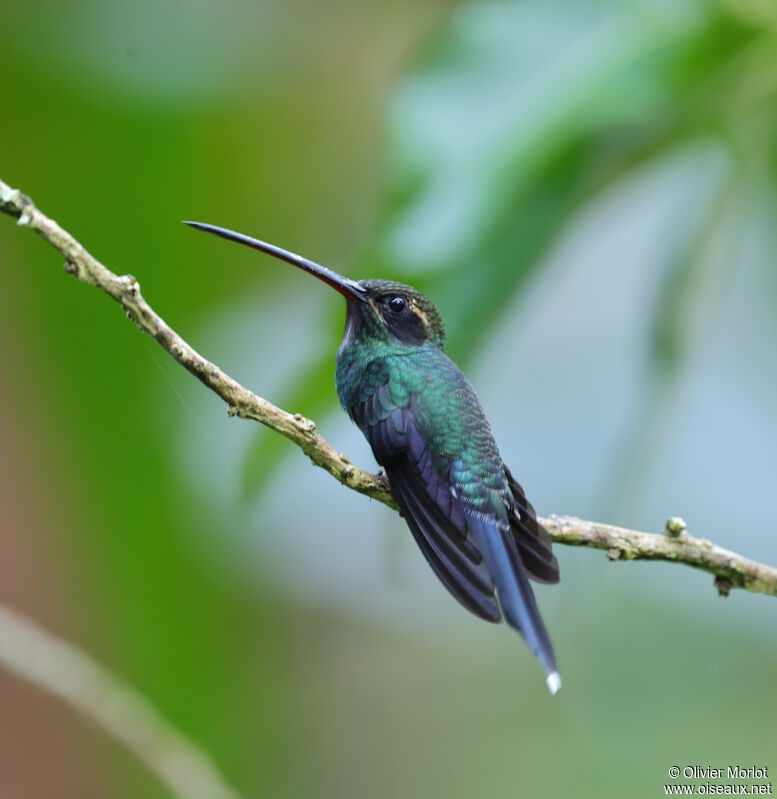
(350, 289)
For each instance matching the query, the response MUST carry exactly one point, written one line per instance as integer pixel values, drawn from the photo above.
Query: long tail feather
(516, 597)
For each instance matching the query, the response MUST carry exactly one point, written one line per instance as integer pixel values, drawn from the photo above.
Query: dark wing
(469, 516)
(533, 540)
(433, 514)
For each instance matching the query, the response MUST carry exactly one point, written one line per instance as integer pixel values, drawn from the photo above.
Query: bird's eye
(397, 304)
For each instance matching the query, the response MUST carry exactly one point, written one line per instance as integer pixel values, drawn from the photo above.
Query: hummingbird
(427, 429)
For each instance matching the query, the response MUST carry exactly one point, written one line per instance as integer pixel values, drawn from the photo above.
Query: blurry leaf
(495, 146)
(683, 290)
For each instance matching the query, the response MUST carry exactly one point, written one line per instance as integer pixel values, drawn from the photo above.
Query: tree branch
(675, 544)
(66, 672)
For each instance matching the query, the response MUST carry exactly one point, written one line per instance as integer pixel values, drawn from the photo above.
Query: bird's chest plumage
(372, 382)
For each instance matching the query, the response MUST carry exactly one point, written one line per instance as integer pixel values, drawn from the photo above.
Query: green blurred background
(586, 188)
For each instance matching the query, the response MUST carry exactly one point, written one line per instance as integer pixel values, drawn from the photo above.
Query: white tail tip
(554, 682)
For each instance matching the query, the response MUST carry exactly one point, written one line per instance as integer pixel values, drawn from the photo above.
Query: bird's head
(381, 309)
(389, 309)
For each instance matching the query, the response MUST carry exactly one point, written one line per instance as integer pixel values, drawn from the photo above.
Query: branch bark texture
(674, 544)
